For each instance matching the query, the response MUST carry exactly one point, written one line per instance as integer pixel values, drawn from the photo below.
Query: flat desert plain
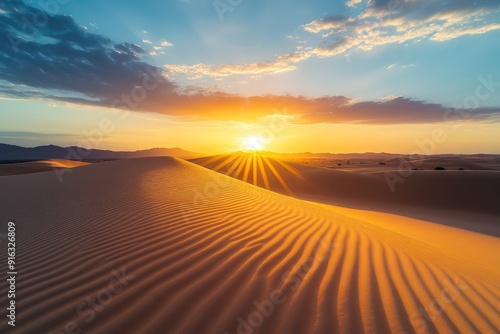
(163, 245)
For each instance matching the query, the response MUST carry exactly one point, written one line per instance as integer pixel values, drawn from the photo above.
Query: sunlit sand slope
(160, 245)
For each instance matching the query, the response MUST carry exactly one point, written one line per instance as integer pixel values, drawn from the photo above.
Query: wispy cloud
(395, 66)
(382, 22)
(282, 63)
(165, 44)
(31, 139)
(451, 34)
(392, 22)
(158, 49)
(331, 22)
(353, 3)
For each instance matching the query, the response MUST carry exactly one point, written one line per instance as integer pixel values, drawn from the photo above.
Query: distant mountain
(18, 153)
(15, 153)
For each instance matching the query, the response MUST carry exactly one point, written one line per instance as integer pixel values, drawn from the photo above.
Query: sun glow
(253, 143)
(257, 168)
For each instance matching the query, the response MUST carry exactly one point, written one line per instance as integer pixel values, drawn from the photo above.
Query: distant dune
(419, 194)
(161, 245)
(38, 166)
(451, 163)
(371, 162)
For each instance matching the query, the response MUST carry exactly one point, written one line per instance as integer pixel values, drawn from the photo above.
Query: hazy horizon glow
(340, 77)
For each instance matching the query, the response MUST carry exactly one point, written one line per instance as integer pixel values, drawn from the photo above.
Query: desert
(240, 259)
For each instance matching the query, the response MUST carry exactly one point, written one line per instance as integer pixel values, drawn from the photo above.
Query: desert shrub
(439, 168)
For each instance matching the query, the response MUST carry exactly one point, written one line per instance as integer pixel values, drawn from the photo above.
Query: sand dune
(38, 166)
(467, 197)
(369, 163)
(199, 252)
(451, 163)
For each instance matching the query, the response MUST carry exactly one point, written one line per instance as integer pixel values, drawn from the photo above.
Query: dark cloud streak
(61, 55)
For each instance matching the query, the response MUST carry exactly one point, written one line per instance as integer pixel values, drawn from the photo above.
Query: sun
(253, 143)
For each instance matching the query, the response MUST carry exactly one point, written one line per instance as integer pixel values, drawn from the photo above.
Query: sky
(397, 76)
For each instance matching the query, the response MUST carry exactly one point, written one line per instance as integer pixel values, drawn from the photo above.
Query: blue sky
(256, 31)
(329, 62)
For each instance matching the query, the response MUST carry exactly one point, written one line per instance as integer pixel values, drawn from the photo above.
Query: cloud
(147, 41)
(61, 61)
(394, 22)
(381, 22)
(282, 63)
(32, 139)
(447, 35)
(158, 49)
(165, 44)
(396, 110)
(353, 3)
(337, 110)
(395, 66)
(331, 22)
